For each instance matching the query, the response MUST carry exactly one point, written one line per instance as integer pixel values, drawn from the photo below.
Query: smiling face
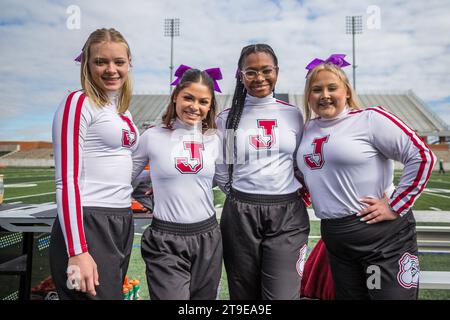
(192, 103)
(109, 65)
(328, 95)
(264, 83)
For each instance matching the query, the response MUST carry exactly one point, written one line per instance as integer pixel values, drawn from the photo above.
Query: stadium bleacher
(32, 154)
(148, 109)
(42, 157)
(8, 148)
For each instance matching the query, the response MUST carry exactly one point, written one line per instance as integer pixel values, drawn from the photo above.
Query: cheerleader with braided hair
(264, 222)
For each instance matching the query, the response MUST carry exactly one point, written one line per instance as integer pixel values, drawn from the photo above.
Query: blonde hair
(352, 100)
(96, 94)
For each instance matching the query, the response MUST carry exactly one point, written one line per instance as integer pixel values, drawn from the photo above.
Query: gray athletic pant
(109, 235)
(264, 242)
(183, 261)
(377, 261)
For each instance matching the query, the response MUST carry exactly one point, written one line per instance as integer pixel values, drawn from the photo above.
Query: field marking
(28, 171)
(34, 195)
(437, 195)
(439, 181)
(21, 185)
(435, 209)
(437, 190)
(19, 176)
(18, 183)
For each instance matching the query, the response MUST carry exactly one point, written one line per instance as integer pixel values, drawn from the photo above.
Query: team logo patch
(300, 265)
(316, 159)
(128, 138)
(267, 140)
(409, 271)
(194, 163)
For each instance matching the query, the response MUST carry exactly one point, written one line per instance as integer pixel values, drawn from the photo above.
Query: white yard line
(30, 196)
(437, 195)
(20, 176)
(18, 183)
(439, 181)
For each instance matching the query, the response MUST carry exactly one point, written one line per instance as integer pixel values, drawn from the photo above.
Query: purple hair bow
(214, 73)
(336, 59)
(80, 57)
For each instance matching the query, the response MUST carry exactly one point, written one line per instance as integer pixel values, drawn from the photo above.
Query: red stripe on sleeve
(411, 200)
(65, 191)
(76, 157)
(420, 172)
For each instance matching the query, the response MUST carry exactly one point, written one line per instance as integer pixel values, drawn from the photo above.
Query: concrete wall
(27, 163)
(28, 145)
(9, 147)
(445, 155)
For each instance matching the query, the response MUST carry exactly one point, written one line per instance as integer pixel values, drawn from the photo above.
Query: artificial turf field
(36, 185)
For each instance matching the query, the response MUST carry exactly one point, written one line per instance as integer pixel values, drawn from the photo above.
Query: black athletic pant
(109, 235)
(183, 261)
(373, 261)
(264, 241)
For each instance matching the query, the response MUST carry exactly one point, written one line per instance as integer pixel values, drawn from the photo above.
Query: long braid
(234, 116)
(237, 106)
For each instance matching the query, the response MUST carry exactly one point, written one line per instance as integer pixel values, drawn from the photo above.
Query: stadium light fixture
(171, 29)
(353, 26)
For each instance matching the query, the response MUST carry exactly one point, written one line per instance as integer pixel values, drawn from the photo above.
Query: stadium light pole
(171, 29)
(354, 26)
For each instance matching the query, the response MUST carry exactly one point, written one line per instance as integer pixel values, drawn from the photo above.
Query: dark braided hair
(237, 105)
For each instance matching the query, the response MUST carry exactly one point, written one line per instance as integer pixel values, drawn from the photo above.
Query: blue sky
(405, 47)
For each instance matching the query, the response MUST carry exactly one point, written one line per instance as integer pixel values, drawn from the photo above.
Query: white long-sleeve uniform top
(351, 156)
(92, 148)
(182, 165)
(267, 138)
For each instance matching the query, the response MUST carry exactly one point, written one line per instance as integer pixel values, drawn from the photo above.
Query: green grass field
(36, 185)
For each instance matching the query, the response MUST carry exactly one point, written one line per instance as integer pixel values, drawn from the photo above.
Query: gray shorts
(183, 261)
(264, 242)
(109, 236)
(373, 261)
